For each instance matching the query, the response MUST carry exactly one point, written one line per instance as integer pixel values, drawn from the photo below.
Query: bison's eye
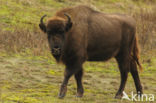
(48, 32)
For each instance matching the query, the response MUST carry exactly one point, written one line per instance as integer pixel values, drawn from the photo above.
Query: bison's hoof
(61, 96)
(78, 95)
(63, 91)
(119, 96)
(80, 92)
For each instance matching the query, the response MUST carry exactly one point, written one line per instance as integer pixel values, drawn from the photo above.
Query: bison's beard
(57, 57)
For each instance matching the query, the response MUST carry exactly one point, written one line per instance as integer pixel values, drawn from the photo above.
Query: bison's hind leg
(135, 75)
(127, 63)
(124, 64)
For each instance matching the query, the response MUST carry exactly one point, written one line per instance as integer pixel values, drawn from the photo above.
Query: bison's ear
(42, 25)
(68, 23)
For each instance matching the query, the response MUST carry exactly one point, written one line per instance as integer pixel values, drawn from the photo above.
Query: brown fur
(136, 53)
(95, 36)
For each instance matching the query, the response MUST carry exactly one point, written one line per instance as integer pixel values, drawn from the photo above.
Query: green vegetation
(28, 72)
(34, 79)
(26, 13)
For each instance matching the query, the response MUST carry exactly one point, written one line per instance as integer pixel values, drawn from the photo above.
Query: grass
(28, 72)
(33, 79)
(20, 18)
(26, 13)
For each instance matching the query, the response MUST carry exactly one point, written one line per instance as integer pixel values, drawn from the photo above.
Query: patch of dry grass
(23, 41)
(146, 28)
(30, 80)
(22, 38)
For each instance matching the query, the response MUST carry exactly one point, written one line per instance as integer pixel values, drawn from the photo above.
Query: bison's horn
(69, 19)
(42, 25)
(41, 20)
(69, 23)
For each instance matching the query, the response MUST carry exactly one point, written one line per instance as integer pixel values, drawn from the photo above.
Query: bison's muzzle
(56, 51)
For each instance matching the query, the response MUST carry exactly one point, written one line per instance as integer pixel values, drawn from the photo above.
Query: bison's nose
(56, 51)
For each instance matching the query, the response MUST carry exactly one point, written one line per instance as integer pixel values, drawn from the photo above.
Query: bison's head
(55, 29)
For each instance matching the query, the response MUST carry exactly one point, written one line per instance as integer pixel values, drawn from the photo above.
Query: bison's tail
(136, 53)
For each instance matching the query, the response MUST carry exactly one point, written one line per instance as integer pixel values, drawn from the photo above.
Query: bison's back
(104, 37)
(105, 34)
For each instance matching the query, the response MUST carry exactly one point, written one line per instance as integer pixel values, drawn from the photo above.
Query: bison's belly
(103, 54)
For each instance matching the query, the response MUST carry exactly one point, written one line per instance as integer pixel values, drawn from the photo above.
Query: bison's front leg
(69, 71)
(63, 88)
(78, 77)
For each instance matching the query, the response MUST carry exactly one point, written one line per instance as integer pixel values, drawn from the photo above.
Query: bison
(78, 34)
